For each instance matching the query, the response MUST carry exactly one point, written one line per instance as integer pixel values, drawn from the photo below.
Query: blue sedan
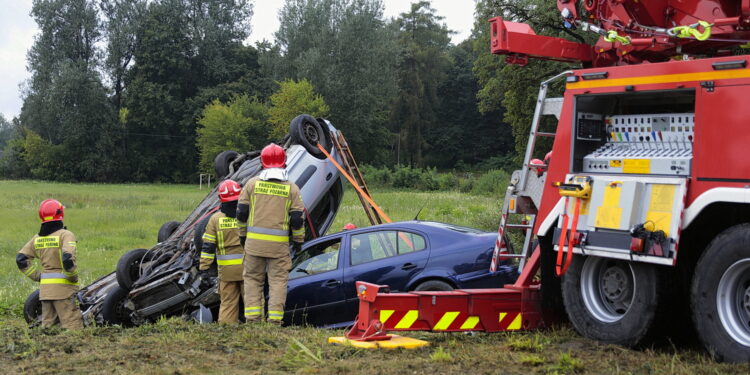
(411, 255)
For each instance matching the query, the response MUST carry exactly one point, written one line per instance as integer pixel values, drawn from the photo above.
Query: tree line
(138, 90)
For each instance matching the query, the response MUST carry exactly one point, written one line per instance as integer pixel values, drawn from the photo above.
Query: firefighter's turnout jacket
(228, 253)
(56, 282)
(267, 228)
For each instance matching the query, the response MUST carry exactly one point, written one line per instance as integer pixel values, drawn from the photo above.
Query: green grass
(111, 219)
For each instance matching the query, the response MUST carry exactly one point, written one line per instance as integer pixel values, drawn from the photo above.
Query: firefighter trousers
(230, 293)
(254, 276)
(63, 312)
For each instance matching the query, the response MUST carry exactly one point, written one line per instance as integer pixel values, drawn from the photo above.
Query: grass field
(111, 219)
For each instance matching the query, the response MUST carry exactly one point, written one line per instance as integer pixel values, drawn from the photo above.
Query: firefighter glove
(22, 261)
(67, 260)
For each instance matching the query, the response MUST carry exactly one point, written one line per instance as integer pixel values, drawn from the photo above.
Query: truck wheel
(129, 268)
(433, 286)
(32, 309)
(113, 307)
(609, 300)
(306, 131)
(720, 296)
(166, 230)
(222, 162)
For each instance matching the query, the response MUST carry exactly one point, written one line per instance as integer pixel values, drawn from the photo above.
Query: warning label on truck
(638, 166)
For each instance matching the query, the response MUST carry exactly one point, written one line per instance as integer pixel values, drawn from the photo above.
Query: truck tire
(166, 230)
(32, 309)
(222, 162)
(434, 286)
(129, 268)
(306, 131)
(610, 300)
(113, 308)
(720, 296)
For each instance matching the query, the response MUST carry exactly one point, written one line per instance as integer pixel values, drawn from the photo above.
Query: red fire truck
(641, 212)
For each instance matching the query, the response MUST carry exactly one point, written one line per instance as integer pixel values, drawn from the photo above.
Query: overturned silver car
(163, 280)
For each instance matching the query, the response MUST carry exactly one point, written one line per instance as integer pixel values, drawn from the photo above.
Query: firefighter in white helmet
(55, 247)
(270, 211)
(221, 242)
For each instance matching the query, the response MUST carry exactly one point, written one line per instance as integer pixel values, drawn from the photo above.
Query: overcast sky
(17, 31)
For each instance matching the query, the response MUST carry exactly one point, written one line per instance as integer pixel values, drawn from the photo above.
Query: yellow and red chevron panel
(489, 310)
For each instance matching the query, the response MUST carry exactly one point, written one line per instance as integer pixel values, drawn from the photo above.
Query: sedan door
(315, 294)
(388, 257)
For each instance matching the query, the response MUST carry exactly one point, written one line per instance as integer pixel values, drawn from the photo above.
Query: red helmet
(51, 210)
(539, 166)
(273, 156)
(349, 226)
(229, 191)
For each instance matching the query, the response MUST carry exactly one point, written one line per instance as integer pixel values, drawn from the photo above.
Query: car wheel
(720, 296)
(306, 131)
(166, 230)
(32, 309)
(129, 268)
(609, 300)
(434, 286)
(113, 307)
(222, 162)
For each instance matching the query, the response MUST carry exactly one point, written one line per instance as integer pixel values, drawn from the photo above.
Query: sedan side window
(383, 244)
(316, 259)
(409, 242)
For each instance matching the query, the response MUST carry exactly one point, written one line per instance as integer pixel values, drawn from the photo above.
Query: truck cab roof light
(596, 75)
(571, 79)
(726, 65)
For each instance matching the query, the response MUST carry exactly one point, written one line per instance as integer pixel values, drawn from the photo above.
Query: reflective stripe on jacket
(270, 204)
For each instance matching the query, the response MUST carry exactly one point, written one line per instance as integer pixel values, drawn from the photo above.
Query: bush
(491, 183)
(429, 179)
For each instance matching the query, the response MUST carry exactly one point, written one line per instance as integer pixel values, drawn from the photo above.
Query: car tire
(610, 300)
(306, 131)
(113, 307)
(166, 230)
(129, 268)
(222, 162)
(32, 309)
(433, 286)
(723, 272)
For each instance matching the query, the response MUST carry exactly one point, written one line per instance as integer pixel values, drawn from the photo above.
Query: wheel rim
(733, 301)
(311, 133)
(607, 287)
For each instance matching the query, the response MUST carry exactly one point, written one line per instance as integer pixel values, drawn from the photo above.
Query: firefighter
(55, 246)
(221, 242)
(269, 212)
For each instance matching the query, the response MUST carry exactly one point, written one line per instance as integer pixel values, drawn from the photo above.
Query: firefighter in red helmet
(221, 243)
(55, 247)
(270, 213)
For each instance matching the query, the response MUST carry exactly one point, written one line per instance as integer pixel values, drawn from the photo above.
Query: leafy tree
(122, 18)
(188, 53)
(240, 125)
(6, 131)
(349, 53)
(44, 159)
(292, 99)
(65, 103)
(424, 60)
